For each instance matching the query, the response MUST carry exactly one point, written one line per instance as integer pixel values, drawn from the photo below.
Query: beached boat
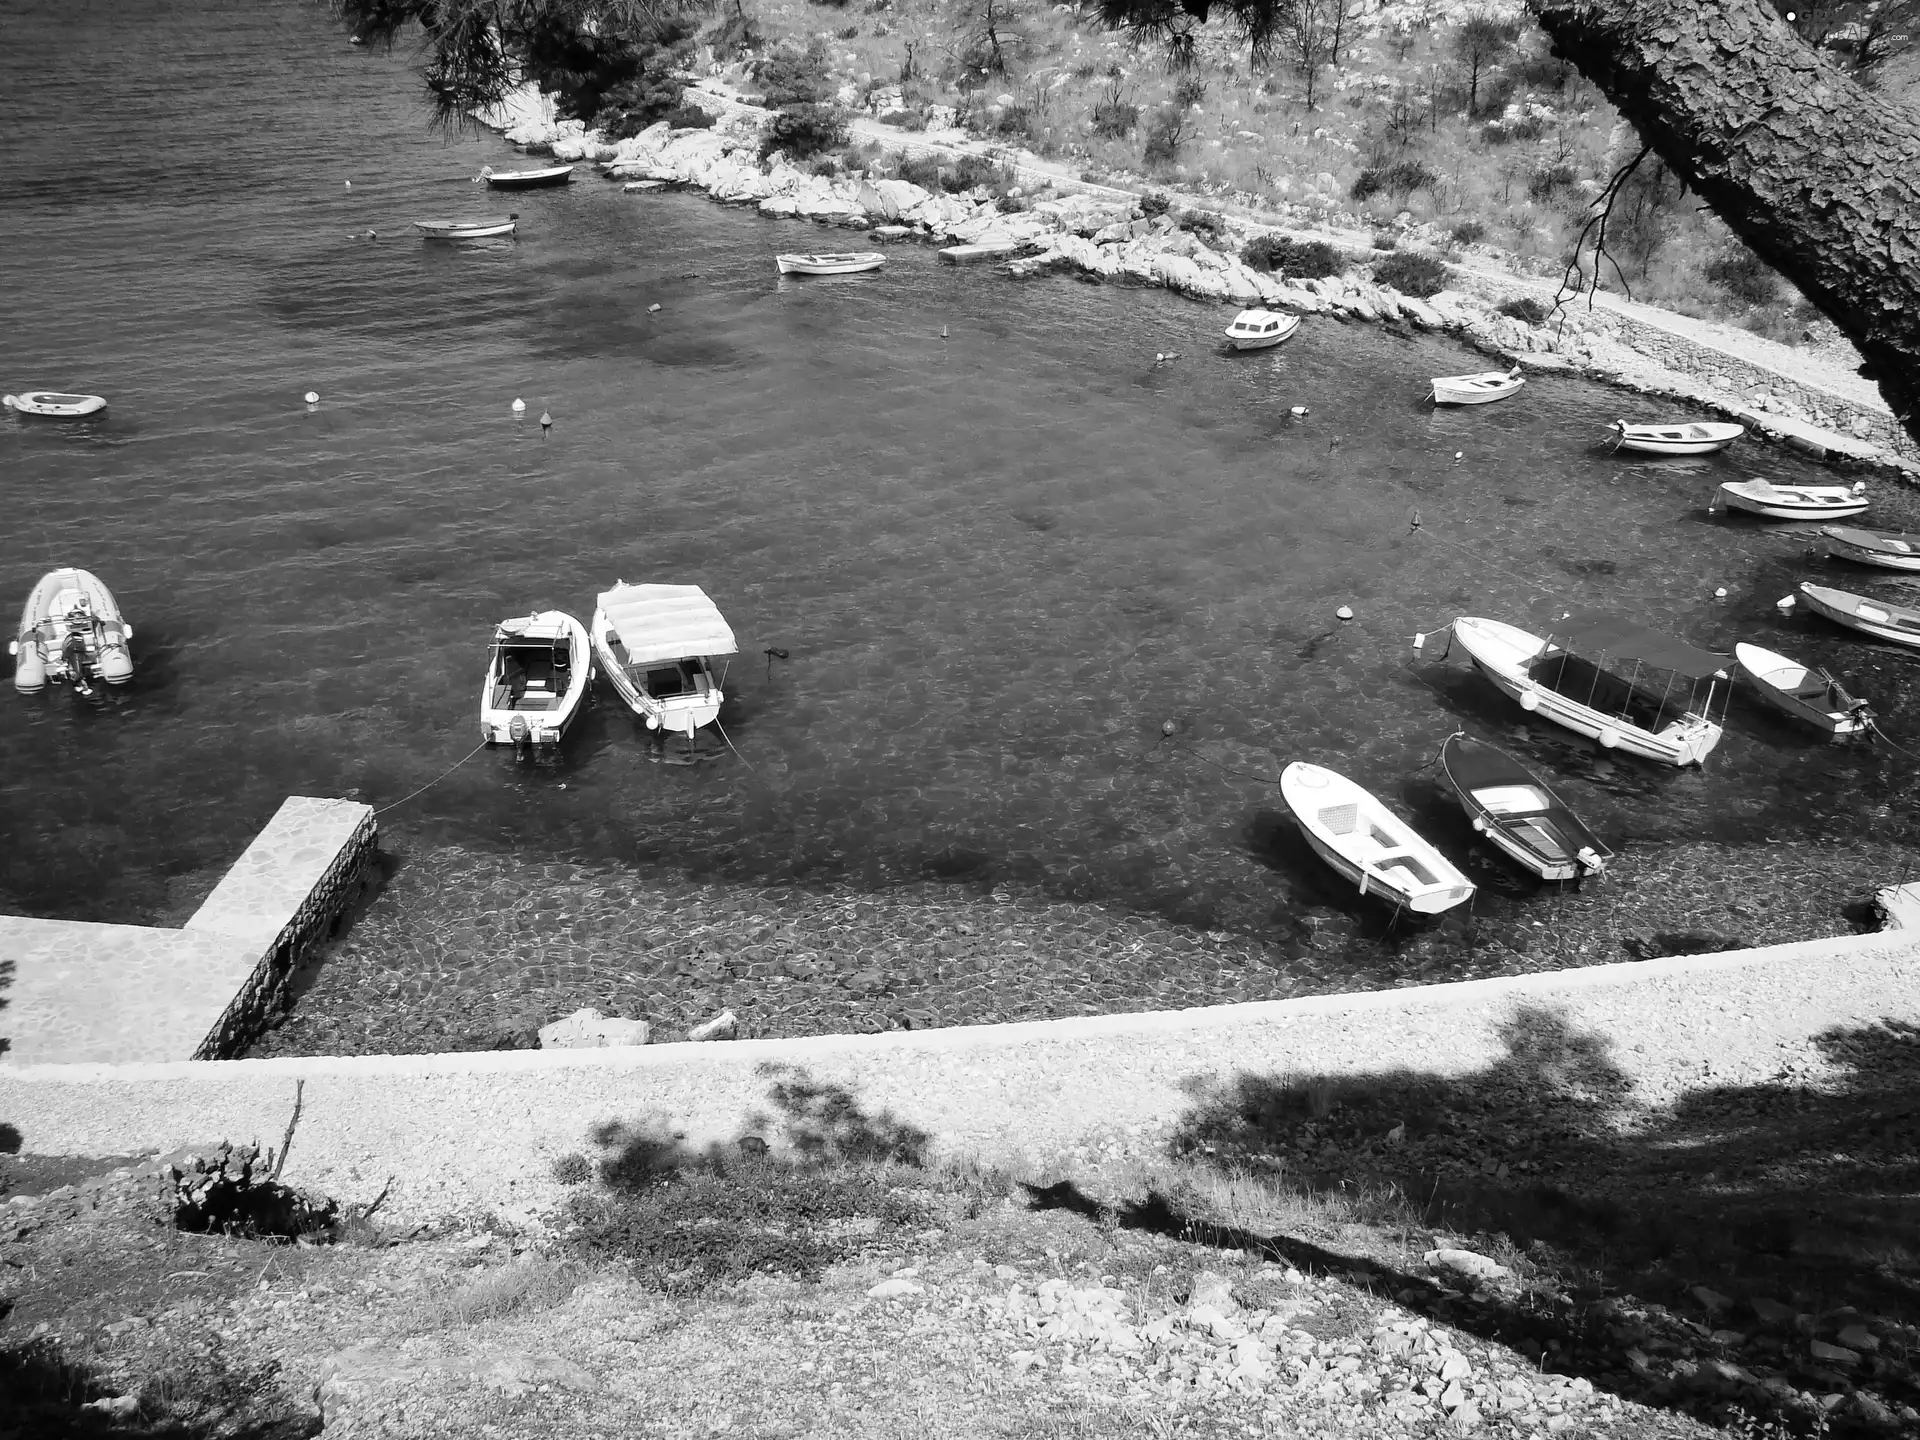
(1897, 623)
(1368, 844)
(1889, 549)
(71, 629)
(53, 404)
(483, 227)
(656, 644)
(1806, 694)
(1510, 805)
(1479, 389)
(1681, 437)
(1572, 677)
(539, 179)
(538, 670)
(1794, 502)
(849, 263)
(1257, 329)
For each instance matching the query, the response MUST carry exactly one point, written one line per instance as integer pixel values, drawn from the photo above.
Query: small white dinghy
(53, 404)
(1794, 502)
(483, 227)
(850, 263)
(1889, 549)
(1257, 329)
(71, 630)
(656, 643)
(1481, 389)
(1368, 844)
(525, 179)
(1803, 692)
(1897, 623)
(538, 670)
(1681, 437)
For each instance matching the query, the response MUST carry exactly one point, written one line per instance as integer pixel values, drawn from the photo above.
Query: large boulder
(588, 1029)
(901, 196)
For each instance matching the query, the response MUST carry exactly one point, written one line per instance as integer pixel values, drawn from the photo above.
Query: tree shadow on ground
(1748, 1219)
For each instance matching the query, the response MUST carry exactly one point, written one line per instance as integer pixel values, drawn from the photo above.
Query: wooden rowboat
(1889, 549)
(1684, 437)
(483, 227)
(1806, 694)
(1794, 502)
(526, 179)
(1511, 807)
(1368, 844)
(849, 263)
(1897, 623)
(1480, 389)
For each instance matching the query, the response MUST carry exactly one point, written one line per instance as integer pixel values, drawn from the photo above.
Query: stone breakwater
(1101, 232)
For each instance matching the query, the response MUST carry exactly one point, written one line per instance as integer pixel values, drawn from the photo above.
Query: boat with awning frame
(1572, 676)
(655, 644)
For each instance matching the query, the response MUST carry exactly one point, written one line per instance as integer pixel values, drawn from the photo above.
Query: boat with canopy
(1612, 679)
(538, 670)
(656, 645)
(1510, 805)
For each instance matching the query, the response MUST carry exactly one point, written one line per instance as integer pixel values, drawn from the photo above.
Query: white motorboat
(1889, 549)
(71, 629)
(1898, 623)
(849, 263)
(1487, 386)
(1803, 692)
(1682, 437)
(525, 179)
(1369, 844)
(53, 404)
(1794, 502)
(1572, 679)
(483, 227)
(538, 670)
(1257, 329)
(655, 643)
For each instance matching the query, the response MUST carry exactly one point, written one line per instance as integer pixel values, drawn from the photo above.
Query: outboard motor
(29, 667)
(518, 731)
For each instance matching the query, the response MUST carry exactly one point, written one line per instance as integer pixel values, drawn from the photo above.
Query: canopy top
(652, 623)
(1594, 633)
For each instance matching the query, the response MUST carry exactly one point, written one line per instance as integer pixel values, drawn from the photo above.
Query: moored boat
(1680, 437)
(1794, 502)
(525, 179)
(71, 629)
(1572, 678)
(483, 227)
(1257, 329)
(538, 670)
(1898, 623)
(1889, 549)
(1368, 844)
(1802, 692)
(1510, 805)
(53, 404)
(656, 644)
(848, 263)
(1480, 389)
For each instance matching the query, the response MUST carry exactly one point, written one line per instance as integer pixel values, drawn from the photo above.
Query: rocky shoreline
(1103, 233)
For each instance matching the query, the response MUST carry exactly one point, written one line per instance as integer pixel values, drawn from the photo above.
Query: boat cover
(666, 622)
(1477, 766)
(1600, 632)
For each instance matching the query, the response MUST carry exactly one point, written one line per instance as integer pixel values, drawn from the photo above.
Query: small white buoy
(1298, 412)
(653, 307)
(519, 407)
(546, 420)
(563, 784)
(1159, 357)
(1166, 727)
(1419, 642)
(313, 397)
(1345, 612)
(943, 332)
(349, 184)
(1783, 604)
(1459, 454)
(1720, 592)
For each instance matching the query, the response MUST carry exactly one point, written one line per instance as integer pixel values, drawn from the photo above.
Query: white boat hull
(672, 714)
(1859, 612)
(1691, 438)
(544, 712)
(1800, 502)
(53, 404)
(1886, 559)
(1247, 331)
(851, 264)
(1481, 389)
(456, 230)
(1501, 652)
(1378, 853)
(71, 630)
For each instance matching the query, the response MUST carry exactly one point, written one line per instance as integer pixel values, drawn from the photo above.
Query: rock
(1858, 1337)
(115, 1407)
(1452, 1397)
(1711, 1300)
(1468, 1263)
(1456, 1367)
(1465, 1417)
(588, 1029)
(1213, 1290)
(724, 1026)
(1832, 1354)
(896, 1288)
(1772, 1312)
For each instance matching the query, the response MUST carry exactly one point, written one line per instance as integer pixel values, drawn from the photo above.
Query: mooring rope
(436, 779)
(731, 746)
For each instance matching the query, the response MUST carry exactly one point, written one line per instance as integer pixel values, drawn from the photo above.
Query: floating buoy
(1345, 612)
(1459, 455)
(546, 420)
(1299, 412)
(349, 184)
(1529, 701)
(1420, 642)
(519, 407)
(1720, 592)
(653, 307)
(1167, 727)
(943, 332)
(313, 397)
(1783, 604)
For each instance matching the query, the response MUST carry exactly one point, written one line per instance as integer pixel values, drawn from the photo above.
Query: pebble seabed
(468, 950)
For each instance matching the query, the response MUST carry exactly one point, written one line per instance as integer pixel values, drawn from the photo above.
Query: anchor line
(731, 746)
(436, 779)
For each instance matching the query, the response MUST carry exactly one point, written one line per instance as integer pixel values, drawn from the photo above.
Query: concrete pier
(123, 994)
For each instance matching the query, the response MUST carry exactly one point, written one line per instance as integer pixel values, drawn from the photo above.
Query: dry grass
(525, 1285)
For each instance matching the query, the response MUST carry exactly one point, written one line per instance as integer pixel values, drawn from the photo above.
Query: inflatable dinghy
(53, 404)
(71, 630)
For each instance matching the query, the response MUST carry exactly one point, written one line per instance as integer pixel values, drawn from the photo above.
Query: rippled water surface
(997, 561)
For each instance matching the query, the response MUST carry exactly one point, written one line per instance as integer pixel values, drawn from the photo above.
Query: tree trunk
(1819, 176)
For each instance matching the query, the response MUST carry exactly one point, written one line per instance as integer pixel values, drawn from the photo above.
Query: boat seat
(1811, 688)
(1341, 819)
(1543, 840)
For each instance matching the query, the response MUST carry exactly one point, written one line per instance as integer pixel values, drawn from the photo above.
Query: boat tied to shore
(1368, 844)
(1898, 623)
(71, 630)
(1680, 437)
(481, 227)
(538, 670)
(1572, 676)
(656, 645)
(1257, 329)
(540, 179)
(1478, 389)
(53, 404)
(851, 262)
(1805, 693)
(1794, 502)
(1515, 810)
(1888, 549)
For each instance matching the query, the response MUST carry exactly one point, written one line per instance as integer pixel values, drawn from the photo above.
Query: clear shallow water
(997, 562)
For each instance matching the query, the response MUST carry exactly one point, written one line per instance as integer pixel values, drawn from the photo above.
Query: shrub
(1298, 260)
(1543, 185)
(1744, 276)
(1401, 178)
(1189, 91)
(804, 130)
(1165, 136)
(1466, 232)
(1503, 132)
(688, 117)
(1525, 309)
(789, 77)
(1114, 113)
(1412, 273)
(972, 172)
(1201, 222)
(904, 119)
(1014, 121)
(921, 170)
(573, 1169)
(1385, 240)
(653, 89)
(852, 32)
(1154, 203)
(737, 35)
